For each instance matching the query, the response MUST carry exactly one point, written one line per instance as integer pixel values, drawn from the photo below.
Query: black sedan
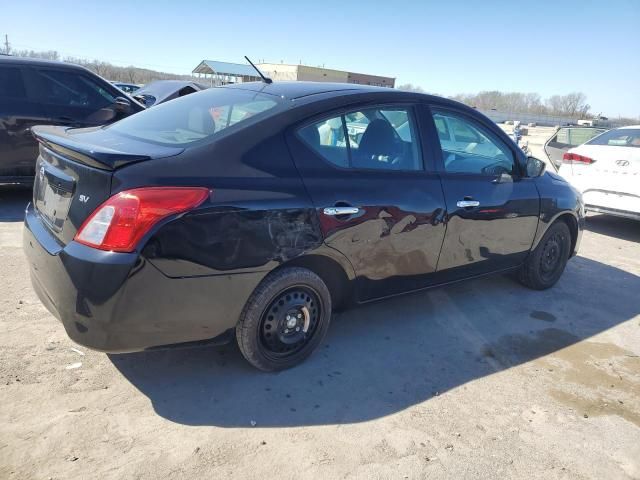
(250, 211)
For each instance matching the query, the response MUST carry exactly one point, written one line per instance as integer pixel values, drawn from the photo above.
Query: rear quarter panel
(258, 216)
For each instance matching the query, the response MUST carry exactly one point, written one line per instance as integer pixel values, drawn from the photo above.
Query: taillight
(575, 158)
(120, 222)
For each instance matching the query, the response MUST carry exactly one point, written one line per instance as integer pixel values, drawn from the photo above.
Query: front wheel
(545, 264)
(285, 319)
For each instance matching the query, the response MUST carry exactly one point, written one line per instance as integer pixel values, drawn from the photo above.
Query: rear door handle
(333, 211)
(468, 203)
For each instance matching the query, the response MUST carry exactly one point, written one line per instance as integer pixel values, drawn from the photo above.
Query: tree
(408, 87)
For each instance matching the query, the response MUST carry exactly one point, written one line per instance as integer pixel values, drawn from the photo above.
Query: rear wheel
(285, 319)
(546, 263)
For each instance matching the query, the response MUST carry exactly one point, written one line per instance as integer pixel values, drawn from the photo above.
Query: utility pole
(6, 44)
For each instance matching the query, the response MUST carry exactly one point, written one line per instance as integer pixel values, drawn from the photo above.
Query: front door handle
(468, 203)
(334, 211)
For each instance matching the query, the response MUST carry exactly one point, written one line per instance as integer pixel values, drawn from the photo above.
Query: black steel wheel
(544, 266)
(285, 319)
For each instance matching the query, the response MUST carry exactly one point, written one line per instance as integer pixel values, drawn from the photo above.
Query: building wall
(318, 74)
(279, 71)
(376, 80)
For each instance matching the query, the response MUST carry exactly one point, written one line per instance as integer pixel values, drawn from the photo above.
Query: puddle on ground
(542, 315)
(592, 378)
(597, 379)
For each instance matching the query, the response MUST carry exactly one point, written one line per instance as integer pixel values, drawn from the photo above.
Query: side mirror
(535, 167)
(122, 105)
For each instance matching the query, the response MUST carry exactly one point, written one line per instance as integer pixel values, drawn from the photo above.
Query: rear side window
(369, 139)
(623, 137)
(71, 89)
(197, 117)
(11, 83)
(578, 136)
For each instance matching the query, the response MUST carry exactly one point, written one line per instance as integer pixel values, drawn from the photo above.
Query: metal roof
(225, 68)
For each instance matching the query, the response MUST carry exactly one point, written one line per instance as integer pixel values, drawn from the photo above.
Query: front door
(364, 171)
(492, 210)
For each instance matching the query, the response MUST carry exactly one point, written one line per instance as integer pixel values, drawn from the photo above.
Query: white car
(606, 169)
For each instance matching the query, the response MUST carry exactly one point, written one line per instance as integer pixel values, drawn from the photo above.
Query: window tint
(579, 136)
(375, 138)
(471, 148)
(195, 117)
(441, 126)
(563, 136)
(71, 89)
(11, 83)
(623, 137)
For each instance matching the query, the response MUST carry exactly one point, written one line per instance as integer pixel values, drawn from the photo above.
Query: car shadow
(382, 358)
(622, 228)
(13, 201)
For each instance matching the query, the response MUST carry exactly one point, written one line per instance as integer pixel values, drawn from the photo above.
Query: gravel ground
(483, 379)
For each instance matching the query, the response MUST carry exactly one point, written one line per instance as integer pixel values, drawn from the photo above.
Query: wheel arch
(334, 270)
(568, 217)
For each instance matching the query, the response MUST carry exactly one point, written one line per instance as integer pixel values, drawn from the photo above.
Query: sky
(446, 47)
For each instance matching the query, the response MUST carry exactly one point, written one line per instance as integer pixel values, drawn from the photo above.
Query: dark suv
(250, 211)
(36, 92)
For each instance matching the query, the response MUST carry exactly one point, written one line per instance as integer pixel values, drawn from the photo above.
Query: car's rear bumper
(119, 302)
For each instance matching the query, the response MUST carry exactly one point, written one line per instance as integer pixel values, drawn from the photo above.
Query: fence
(541, 119)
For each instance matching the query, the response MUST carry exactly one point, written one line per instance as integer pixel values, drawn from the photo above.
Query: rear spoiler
(96, 154)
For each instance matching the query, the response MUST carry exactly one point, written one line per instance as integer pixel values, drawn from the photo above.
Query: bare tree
(408, 87)
(131, 73)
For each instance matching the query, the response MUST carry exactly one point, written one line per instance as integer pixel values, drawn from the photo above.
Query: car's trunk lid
(74, 172)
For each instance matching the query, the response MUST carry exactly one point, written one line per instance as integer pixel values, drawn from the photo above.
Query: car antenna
(266, 80)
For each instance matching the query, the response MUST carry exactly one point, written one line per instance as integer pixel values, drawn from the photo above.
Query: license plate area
(52, 195)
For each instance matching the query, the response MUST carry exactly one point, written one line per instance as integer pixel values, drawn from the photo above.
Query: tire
(544, 266)
(266, 333)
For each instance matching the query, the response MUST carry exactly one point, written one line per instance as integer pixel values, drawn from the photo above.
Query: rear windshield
(623, 137)
(196, 117)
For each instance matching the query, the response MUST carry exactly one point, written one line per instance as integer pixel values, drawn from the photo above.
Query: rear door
(492, 209)
(364, 169)
(18, 113)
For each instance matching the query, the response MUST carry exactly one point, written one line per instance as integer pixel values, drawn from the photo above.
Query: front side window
(11, 83)
(71, 89)
(196, 117)
(623, 137)
(471, 148)
(370, 139)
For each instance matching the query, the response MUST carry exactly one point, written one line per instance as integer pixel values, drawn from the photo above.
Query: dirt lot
(484, 379)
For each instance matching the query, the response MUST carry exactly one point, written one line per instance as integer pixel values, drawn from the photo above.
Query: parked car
(162, 91)
(35, 92)
(565, 138)
(606, 170)
(126, 87)
(232, 212)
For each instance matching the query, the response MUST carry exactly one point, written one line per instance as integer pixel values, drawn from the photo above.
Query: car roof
(293, 90)
(38, 61)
